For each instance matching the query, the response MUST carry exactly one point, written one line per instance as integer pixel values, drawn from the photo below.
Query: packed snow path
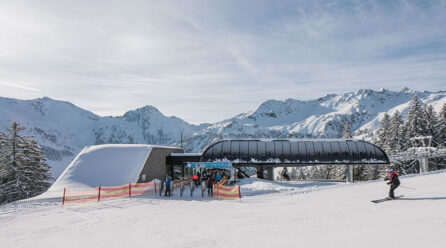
(270, 215)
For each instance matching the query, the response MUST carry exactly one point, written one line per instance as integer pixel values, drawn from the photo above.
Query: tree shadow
(422, 198)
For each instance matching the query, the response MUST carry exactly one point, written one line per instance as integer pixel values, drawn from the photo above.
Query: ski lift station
(96, 165)
(265, 155)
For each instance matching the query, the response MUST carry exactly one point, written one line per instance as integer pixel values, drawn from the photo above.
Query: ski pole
(408, 187)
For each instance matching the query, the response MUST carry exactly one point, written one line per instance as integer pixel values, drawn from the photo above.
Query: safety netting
(227, 192)
(102, 193)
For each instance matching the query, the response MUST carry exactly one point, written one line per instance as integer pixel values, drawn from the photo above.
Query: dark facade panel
(295, 151)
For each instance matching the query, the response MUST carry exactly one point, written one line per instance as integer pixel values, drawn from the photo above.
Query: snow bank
(104, 165)
(256, 186)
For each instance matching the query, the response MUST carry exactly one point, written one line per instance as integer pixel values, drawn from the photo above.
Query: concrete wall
(155, 166)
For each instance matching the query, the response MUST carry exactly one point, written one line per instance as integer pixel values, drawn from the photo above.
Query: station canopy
(295, 151)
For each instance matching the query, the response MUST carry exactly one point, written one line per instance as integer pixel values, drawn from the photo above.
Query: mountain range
(63, 129)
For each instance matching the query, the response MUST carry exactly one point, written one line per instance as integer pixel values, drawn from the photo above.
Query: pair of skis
(387, 199)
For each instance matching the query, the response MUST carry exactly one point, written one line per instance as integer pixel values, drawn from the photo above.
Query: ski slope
(270, 214)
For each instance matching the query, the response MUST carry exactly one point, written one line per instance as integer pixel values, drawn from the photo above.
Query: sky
(205, 61)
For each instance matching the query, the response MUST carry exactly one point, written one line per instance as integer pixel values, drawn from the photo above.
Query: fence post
(99, 194)
(154, 182)
(181, 188)
(239, 194)
(130, 189)
(63, 199)
(202, 188)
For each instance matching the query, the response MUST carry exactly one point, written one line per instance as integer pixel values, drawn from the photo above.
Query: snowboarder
(167, 186)
(394, 182)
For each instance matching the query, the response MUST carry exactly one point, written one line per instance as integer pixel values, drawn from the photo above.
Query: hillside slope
(271, 214)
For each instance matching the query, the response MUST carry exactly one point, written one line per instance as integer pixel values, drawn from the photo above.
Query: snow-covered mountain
(63, 129)
(322, 117)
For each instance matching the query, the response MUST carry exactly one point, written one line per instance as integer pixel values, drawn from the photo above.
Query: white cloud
(205, 61)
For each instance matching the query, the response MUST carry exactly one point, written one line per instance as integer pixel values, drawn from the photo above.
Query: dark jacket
(168, 182)
(394, 178)
(210, 182)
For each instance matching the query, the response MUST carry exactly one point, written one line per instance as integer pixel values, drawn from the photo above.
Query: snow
(63, 129)
(270, 214)
(104, 165)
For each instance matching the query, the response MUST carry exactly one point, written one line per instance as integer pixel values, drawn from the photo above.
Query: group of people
(209, 179)
(212, 179)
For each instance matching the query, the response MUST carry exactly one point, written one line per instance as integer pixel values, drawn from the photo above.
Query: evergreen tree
(415, 120)
(396, 133)
(347, 131)
(441, 128)
(383, 133)
(431, 123)
(27, 173)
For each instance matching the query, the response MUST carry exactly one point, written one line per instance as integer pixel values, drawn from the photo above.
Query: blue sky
(204, 61)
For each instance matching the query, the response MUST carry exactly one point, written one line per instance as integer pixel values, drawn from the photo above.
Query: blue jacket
(168, 182)
(218, 177)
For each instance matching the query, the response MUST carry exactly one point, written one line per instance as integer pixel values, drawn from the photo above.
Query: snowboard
(387, 199)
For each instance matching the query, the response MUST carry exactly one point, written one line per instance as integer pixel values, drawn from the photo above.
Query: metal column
(349, 172)
(270, 172)
(424, 165)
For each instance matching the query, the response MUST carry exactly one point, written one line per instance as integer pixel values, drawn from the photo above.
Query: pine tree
(441, 128)
(347, 131)
(383, 133)
(415, 120)
(431, 123)
(396, 133)
(27, 173)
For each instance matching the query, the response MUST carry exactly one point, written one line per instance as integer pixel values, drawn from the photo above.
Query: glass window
(253, 149)
(226, 149)
(261, 150)
(278, 149)
(286, 148)
(310, 148)
(244, 150)
(235, 151)
(302, 150)
(354, 151)
(217, 149)
(270, 150)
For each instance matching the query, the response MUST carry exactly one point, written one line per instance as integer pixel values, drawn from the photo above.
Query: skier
(167, 186)
(394, 182)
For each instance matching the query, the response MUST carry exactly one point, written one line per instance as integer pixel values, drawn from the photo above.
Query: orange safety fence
(143, 188)
(107, 193)
(80, 196)
(227, 192)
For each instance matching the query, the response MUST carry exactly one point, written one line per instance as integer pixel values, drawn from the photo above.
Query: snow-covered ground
(270, 214)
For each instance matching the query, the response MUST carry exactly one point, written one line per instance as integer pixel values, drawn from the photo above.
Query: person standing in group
(218, 177)
(394, 182)
(210, 185)
(196, 181)
(168, 181)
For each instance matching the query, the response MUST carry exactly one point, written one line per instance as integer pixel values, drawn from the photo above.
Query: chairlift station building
(264, 155)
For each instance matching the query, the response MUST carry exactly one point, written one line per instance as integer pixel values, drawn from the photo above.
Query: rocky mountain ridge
(63, 129)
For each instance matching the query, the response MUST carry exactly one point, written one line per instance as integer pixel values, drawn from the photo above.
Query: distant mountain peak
(407, 90)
